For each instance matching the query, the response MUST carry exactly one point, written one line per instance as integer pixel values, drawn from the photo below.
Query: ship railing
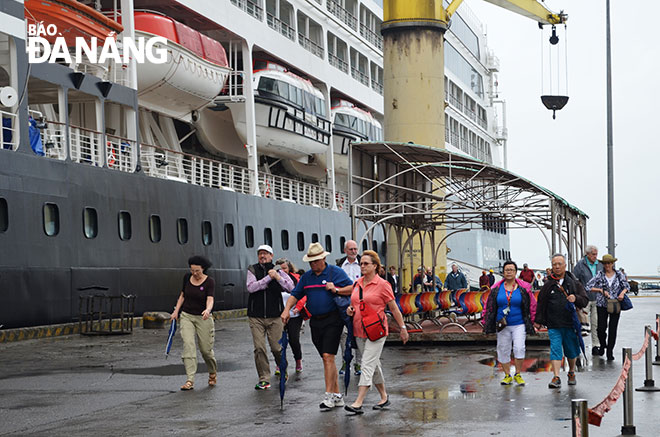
(360, 76)
(53, 139)
(338, 63)
(482, 122)
(310, 45)
(471, 114)
(170, 164)
(85, 146)
(455, 140)
(371, 36)
(121, 153)
(342, 13)
(280, 26)
(251, 7)
(303, 193)
(456, 102)
(377, 86)
(10, 131)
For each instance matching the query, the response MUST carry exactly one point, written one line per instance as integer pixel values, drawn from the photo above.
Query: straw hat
(315, 252)
(607, 258)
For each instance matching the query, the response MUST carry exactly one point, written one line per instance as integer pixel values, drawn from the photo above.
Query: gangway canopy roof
(427, 188)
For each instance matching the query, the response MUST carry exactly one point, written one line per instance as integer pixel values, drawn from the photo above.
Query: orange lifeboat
(193, 75)
(72, 19)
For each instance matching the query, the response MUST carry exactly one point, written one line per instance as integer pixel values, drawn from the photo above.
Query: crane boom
(531, 9)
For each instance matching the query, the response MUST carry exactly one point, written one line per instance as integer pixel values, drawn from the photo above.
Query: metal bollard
(628, 427)
(649, 384)
(657, 342)
(580, 410)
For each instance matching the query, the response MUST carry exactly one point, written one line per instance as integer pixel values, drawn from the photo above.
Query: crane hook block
(554, 103)
(554, 39)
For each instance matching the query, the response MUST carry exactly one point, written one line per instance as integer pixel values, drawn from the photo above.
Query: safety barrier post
(628, 427)
(649, 384)
(657, 341)
(580, 417)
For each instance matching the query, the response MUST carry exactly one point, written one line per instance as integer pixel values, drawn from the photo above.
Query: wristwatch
(404, 327)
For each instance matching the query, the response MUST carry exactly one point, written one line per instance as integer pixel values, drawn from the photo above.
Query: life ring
(111, 156)
(340, 201)
(267, 192)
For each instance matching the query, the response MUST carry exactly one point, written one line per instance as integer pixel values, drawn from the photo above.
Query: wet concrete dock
(124, 386)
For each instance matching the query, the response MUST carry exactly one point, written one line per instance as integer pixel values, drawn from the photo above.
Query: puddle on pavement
(530, 365)
(414, 368)
(177, 369)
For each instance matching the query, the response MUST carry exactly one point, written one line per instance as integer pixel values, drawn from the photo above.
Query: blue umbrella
(577, 326)
(342, 303)
(170, 337)
(284, 341)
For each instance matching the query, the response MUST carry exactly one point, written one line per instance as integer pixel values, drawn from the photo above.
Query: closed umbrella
(284, 342)
(170, 337)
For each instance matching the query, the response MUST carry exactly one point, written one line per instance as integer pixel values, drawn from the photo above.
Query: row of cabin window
(51, 223)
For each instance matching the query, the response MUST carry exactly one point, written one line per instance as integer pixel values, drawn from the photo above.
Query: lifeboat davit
(72, 19)
(291, 118)
(193, 75)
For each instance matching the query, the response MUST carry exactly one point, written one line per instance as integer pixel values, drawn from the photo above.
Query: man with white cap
(321, 284)
(265, 285)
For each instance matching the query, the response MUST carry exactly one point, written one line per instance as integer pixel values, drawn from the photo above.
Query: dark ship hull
(40, 275)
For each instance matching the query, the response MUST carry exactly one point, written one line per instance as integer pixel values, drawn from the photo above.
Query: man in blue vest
(265, 285)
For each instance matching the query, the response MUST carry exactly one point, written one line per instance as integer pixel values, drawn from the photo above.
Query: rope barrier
(596, 413)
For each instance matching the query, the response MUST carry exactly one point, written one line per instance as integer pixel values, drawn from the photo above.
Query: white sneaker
(338, 399)
(328, 402)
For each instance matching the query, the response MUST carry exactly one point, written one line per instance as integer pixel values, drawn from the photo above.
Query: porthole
(301, 241)
(182, 230)
(249, 236)
(328, 243)
(315, 238)
(207, 233)
(154, 229)
(285, 240)
(268, 237)
(229, 235)
(125, 230)
(4, 215)
(90, 223)
(51, 219)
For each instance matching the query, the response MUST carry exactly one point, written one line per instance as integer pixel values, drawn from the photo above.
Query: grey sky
(568, 155)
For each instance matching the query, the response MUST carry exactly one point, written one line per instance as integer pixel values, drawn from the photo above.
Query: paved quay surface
(123, 385)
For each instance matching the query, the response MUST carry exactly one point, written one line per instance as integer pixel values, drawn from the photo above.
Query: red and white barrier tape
(578, 427)
(596, 413)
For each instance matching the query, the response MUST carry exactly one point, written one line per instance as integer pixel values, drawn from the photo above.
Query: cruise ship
(113, 173)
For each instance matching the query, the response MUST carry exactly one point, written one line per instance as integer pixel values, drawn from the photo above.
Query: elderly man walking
(584, 270)
(553, 312)
(265, 285)
(351, 265)
(455, 280)
(321, 284)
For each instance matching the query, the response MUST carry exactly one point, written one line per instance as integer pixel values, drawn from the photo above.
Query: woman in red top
(377, 293)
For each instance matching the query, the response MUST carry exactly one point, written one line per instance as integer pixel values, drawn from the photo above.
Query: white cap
(265, 247)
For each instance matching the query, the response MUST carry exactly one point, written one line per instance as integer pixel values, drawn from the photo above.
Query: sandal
(187, 386)
(213, 379)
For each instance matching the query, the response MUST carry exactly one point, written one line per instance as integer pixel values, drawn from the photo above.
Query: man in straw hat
(320, 284)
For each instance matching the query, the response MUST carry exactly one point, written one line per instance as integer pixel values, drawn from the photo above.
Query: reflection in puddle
(532, 365)
(421, 367)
